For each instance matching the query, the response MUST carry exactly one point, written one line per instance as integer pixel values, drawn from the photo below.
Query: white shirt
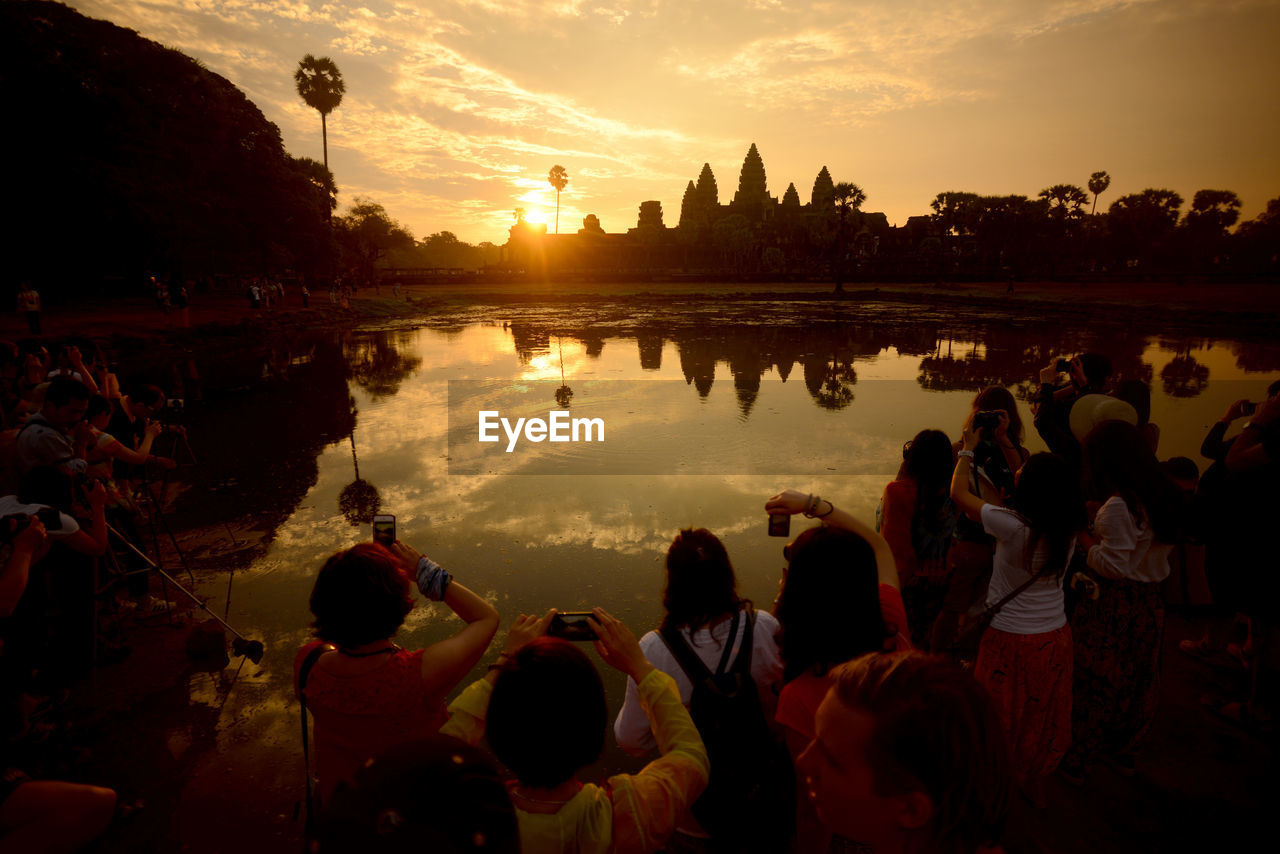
(632, 726)
(1040, 607)
(1127, 549)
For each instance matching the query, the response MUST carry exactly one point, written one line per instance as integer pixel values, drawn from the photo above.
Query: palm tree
(847, 198)
(1098, 183)
(558, 179)
(320, 86)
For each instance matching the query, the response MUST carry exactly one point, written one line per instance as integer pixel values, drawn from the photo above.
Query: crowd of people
(77, 479)
(1001, 622)
(1004, 623)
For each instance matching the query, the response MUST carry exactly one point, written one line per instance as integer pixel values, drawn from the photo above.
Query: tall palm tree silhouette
(320, 85)
(847, 198)
(1098, 183)
(559, 179)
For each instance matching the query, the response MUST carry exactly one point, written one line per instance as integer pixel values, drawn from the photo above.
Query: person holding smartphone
(366, 693)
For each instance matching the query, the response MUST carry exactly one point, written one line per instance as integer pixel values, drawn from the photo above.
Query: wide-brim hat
(1092, 409)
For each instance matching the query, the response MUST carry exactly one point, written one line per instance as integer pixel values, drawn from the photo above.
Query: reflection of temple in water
(966, 358)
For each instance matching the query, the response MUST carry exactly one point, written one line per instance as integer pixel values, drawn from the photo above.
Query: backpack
(749, 804)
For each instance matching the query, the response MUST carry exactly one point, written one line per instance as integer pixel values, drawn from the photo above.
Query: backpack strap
(689, 661)
(742, 664)
(303, 672)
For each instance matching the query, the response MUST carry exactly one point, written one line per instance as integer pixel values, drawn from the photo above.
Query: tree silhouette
(559, 179)
(320, 85)
(1065, 201)
(847, 198)
(1098, 183)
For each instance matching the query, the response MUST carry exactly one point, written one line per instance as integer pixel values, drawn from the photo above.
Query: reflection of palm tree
(320, 84)
(1184, 376)
(377, 363)
(359, 500)
(830, 381)
(564, 394)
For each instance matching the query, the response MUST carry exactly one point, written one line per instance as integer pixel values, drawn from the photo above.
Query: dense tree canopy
(149, 160)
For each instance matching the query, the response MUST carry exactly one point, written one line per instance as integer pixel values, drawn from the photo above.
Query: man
(56, 435)
(908, 756)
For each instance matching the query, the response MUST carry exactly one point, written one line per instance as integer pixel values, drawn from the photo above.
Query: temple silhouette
(753, 233)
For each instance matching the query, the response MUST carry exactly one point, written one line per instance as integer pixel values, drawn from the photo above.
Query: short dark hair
(936, 731)
(97, 405)
(147, 394)
(1181, 468)
(701, 584)
(435, 794)
(829, 607)
(361, 595)
(1137, 394)
(63, 390)
(1096, 368)
(547, 713)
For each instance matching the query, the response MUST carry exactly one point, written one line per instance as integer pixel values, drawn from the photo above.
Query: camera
(1063, 366)
(14, 524)
(779, 524)
(571, 626)
(176, 403)
(986, 421)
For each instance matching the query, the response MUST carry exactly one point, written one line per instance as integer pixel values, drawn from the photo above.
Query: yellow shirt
(631, 813)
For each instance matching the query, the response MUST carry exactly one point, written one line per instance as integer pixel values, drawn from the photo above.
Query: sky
(456, 110)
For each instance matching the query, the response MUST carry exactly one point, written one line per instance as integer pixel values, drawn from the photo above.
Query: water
(707, 413)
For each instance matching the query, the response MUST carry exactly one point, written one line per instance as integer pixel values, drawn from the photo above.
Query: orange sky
(456, 111)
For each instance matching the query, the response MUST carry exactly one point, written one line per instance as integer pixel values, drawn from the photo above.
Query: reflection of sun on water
(546, 366)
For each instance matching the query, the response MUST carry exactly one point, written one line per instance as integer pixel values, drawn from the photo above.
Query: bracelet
(968, 455)
(831, 508)
(812, 506)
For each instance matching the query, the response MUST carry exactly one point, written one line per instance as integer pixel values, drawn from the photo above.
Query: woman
(1118, 631)
(703, 607)
(1025, 655)
(542, 706)
(998, 455)
(838, 599)
(918, 519)
(366, 693)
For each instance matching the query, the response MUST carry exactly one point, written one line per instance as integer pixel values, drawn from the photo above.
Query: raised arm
(961, 495)
(445, 663)
(17, 569)
(1250, 449)
(793, 502)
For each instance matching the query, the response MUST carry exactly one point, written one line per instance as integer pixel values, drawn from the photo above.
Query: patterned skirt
(1029, 680)
(1117, 667)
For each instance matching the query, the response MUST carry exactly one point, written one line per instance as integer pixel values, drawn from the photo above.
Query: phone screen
(779, 524)
(572, 626)
(384, 529)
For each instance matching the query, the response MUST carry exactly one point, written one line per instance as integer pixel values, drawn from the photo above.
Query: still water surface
(338, 424)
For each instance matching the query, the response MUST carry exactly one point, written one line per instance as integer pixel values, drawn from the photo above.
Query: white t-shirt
(1040, 607)
(1127, 550)
(632, 725)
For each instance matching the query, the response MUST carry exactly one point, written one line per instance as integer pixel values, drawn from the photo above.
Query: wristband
(433, 579)
(968, 455)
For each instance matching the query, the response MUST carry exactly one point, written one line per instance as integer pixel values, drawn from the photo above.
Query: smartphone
(779, 524)
(1063, 366)
(572, 626)
(384, 529)
(1249, 407)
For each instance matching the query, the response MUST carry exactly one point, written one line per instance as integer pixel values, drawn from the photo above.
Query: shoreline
(128, 324)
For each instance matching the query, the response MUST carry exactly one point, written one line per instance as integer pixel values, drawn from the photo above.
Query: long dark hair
(1118, 461)
(1047, 497)
(929, 461)
(701, 584)
(829, 608)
